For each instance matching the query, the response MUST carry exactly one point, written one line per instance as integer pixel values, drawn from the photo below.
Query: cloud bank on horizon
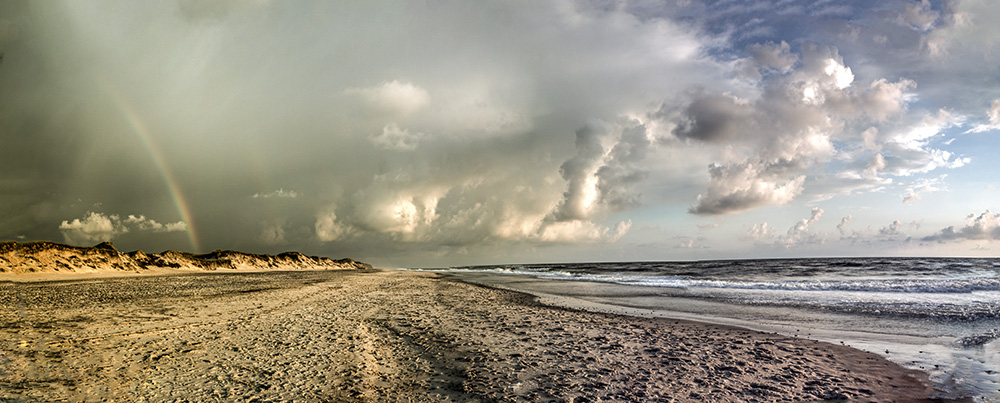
(460, 133)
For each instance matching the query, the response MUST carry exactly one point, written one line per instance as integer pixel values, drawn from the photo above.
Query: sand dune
(51, 257)
(393, 336)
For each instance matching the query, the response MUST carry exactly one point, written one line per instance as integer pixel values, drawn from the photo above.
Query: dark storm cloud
(44, 149)
(452, 131)
(387, 124)
(715, 118)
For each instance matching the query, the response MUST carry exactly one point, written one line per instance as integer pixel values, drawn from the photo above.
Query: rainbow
(142, 131)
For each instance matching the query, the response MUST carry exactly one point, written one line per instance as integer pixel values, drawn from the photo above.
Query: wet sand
(393, 336)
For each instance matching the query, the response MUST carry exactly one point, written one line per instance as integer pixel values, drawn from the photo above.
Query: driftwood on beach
(48, 257)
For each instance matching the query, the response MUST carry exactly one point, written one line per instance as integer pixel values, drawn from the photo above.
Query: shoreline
(572, 304)
(954, 371)
(394, 335)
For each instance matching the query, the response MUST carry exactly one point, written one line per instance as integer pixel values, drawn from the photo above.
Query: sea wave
(885, 285)
(872, 285)
(979, 339)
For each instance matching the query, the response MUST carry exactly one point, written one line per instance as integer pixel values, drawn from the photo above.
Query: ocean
(938, 315)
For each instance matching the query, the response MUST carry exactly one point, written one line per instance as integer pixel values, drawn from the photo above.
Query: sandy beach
(393, 336)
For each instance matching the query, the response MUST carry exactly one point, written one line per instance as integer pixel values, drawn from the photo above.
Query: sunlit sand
(393, 336)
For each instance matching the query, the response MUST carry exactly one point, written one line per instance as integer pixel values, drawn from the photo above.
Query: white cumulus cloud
(92, 228)
(144, 224)
(794, 124)
(759, 232)
(98, 227)
(328, 229)
(844, 222)
(393, 137)
(985, 226)
(799, 233)
(277, 194)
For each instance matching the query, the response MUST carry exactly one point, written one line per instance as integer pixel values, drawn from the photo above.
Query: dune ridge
(52, 257)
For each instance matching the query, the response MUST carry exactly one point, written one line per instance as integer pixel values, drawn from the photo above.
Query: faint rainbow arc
(142, 131)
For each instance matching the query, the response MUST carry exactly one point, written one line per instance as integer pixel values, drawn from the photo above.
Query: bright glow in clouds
(502, 132)
(842, 76)
(393, 98)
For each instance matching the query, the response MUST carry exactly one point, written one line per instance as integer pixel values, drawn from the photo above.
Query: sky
(436, 133)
